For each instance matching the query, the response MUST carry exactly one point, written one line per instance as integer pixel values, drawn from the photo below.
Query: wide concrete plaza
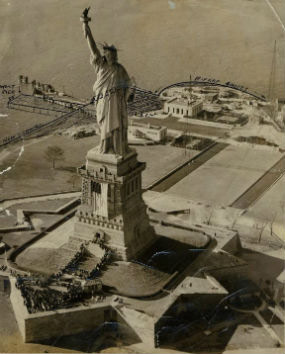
(222, 179)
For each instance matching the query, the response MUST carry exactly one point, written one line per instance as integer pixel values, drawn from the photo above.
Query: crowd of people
(3, 267)
(12, 272)
(46, 299)
(99, 266)
(105, 259)
(73, 267)
(42, 295)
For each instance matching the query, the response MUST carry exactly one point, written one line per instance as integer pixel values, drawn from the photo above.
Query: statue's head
(110, 53)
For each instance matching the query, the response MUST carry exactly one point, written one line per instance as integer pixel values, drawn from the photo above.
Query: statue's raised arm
(110, 95)
(88, 34)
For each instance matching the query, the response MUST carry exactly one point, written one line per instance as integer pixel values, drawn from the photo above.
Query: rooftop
(195, 285)
(184, 101)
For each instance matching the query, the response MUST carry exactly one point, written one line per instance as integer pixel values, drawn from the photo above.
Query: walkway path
(7, 203)
(261, 185)
(186, 168)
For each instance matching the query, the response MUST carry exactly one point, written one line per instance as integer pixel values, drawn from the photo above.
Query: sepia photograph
(142, 176)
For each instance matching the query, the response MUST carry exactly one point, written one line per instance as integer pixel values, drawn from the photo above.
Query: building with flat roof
(147, 131)
(182, 107)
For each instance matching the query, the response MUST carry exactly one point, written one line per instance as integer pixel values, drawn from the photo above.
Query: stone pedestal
(112, 207)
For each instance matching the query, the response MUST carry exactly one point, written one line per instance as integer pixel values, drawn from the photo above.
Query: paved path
(7, 203)
(261, 185)
(262, 321)
(268, 328)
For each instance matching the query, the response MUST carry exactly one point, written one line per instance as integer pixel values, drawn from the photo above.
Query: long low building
(147, 131)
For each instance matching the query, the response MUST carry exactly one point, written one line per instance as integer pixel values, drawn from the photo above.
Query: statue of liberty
(111, 93)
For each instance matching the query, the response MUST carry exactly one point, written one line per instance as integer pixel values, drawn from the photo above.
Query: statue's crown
(109, 47)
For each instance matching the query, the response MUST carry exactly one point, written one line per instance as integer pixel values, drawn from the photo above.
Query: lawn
(32, 174)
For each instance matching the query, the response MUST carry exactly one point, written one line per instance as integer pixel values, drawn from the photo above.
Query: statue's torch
(84, 18)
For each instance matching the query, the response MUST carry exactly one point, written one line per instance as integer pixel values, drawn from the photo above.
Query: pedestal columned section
(112, 207)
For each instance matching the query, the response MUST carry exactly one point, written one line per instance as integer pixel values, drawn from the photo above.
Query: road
(188, 167)
(260, 186)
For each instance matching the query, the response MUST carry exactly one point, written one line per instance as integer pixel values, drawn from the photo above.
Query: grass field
(18, 121)
(32, 174)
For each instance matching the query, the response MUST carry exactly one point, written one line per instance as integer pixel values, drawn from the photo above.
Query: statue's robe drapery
(111, 94)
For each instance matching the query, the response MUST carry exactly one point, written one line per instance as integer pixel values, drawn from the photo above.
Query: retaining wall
(50, 324)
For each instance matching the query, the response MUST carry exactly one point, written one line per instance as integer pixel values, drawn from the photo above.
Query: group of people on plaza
(105, 259)
(46, 299)
(42, 294)
(74, 265)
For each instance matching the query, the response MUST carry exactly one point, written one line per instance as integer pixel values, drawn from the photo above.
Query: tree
(261, 228)
(53, 154)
